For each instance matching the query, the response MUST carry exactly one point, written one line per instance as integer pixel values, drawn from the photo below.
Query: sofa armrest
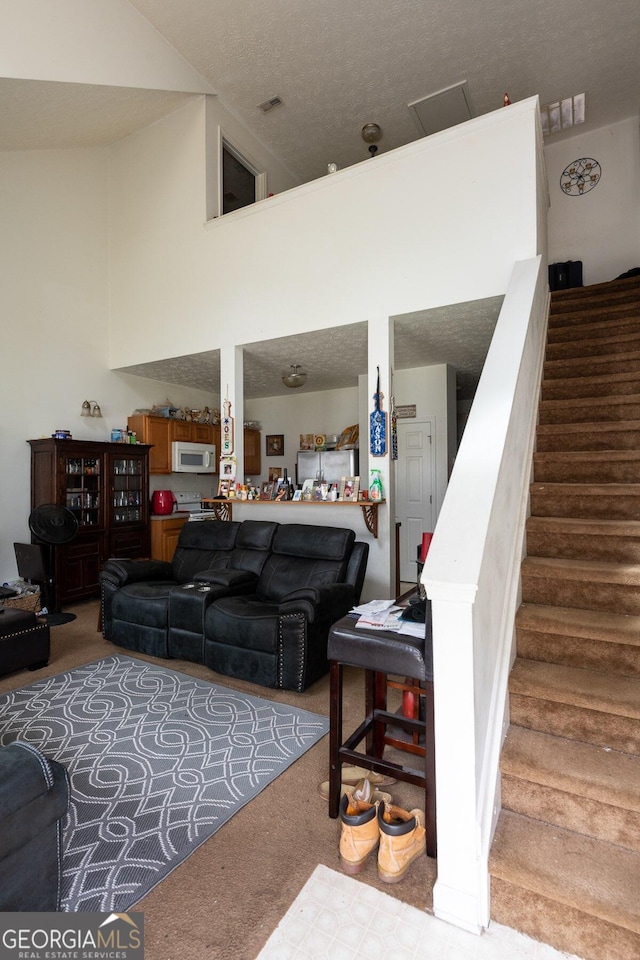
(117, 573)
(232, 579)
(328, 603)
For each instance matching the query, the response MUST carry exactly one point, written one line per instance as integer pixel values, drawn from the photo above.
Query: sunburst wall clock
(580, 177)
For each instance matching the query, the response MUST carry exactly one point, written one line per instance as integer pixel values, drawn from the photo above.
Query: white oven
(193, 457)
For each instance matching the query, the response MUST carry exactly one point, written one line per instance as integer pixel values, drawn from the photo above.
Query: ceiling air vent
(443, 109)
(269, 104)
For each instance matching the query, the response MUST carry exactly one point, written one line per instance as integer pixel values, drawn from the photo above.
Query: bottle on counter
(375, 486)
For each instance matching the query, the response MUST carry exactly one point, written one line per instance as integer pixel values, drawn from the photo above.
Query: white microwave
(193, 457)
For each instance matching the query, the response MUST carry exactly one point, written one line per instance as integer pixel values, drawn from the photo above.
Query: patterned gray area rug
(158, 761)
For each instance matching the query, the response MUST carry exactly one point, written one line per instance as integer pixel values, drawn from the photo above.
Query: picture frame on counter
(349, 487)
(275, 444)
(309, 489)
(297, 495)
(267, 491)
(223, 487)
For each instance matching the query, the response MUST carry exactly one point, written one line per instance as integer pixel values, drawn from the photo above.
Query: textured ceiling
(337, 65)
(459, 335)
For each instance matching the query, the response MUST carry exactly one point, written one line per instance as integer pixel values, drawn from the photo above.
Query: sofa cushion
(312, 542)
(143, 603)
(203, 545)
(304, 556)
(253, 544)
(246, 622)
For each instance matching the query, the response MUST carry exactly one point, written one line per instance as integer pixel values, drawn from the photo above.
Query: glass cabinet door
(127, 489)
(82, 489)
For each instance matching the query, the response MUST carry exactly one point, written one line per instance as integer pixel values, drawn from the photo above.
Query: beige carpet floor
(225, 900)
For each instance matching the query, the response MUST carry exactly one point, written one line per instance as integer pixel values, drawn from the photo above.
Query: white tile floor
(336, 917)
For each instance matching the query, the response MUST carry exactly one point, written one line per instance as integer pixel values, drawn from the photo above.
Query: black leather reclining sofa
(253, 600)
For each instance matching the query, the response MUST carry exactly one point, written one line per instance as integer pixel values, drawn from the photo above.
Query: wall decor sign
(580, 177)
(378, 425)
(226, 430)
(405, 411)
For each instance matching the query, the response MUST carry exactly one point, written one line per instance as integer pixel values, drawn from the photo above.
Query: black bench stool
(24, 640)
(382, 654)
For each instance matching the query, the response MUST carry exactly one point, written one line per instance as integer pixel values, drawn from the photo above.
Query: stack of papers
(385, 615)
(378, 615)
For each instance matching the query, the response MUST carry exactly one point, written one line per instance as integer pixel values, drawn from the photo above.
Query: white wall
(54, 283)
(90, 41)
(602, 227)
(328, 412)
(312, 246)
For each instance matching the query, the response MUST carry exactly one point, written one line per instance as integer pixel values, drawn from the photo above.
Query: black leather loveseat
(252, 600)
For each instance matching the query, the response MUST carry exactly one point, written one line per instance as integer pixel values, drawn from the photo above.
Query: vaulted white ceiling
(337, 64)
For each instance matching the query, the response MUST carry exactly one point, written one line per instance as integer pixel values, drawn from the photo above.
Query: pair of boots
(399, 835)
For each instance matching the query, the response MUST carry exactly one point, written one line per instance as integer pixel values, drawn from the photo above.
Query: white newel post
(461, 892)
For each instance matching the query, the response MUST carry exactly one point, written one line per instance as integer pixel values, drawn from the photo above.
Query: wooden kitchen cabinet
(155, 431)
(160, 432)
(164, 535)
(106, 487)
(252, 460)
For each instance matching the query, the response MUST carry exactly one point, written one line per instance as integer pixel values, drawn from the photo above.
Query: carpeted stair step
(587, 466)
(593, 324)
(584, 584)
(569, 538)
(575, 893)
(583, 705)
(586, 639)
(595, 347)
(611, 435)
(590, 409)
(603, 294)
(592, 311)
(602, 386)
(592, 790)
(597, 501)
(593, 366)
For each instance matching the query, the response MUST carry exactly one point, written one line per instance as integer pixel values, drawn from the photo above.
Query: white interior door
(414, 490)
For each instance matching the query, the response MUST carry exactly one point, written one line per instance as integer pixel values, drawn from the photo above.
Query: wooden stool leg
(335, 736)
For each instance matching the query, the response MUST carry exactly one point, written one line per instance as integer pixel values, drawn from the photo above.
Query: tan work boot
(402, 840)
(359, 834)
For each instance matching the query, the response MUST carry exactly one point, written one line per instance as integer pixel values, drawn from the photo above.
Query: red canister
(163, 502)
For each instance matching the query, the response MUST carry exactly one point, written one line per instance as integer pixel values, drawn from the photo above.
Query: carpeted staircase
(565, 863)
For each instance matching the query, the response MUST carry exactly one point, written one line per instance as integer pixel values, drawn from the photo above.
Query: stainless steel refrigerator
(328, 466)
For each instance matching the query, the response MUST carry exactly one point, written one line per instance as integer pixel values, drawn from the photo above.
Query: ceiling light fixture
(371, 133)
(294, 379)
(90, 409)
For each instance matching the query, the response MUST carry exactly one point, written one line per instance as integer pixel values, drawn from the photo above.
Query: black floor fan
(52, 526)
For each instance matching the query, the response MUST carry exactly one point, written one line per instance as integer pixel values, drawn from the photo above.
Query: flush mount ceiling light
(294, 379)
(371, 133)
(562, 114)
(90, 409)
